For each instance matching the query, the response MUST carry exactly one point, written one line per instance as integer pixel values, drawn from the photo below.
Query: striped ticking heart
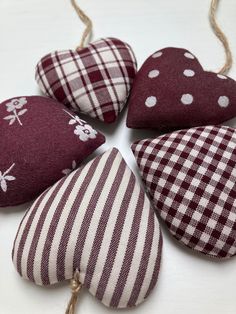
(191, 175)
(98, 221)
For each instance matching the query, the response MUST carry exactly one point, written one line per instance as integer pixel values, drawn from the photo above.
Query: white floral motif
(4, 177)
(85, 132)
(82, 129)
(68, 171)
(14, 107)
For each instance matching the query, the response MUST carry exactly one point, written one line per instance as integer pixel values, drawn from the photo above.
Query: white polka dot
(189, 73)
(187, 99)
(189, 55)
(223, 101)
(157, 54)
(153, 73)
(222, 77)
(151, 101)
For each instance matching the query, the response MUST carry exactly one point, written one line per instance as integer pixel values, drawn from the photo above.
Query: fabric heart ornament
(172, 91)
(95, 80)
(41, 141)
(190, 176)
(98, 221)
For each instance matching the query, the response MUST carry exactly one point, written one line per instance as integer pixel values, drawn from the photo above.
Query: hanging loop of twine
(229, 59)
(87, 22)
(75, 290)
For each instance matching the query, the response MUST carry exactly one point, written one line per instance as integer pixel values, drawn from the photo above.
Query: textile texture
(99, 221)
(172, 91)
(190, 176)
(95, 80)
(41, 141)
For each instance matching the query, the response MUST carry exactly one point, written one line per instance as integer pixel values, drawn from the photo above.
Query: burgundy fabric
(172, 91)
(191, 176)
(95, 80)
(98, 221)
(40, 141)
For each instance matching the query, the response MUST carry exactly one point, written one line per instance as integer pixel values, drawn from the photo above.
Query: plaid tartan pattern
(191, 176)
(95, 80)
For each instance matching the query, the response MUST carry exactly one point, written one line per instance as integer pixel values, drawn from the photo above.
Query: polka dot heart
(172, 91)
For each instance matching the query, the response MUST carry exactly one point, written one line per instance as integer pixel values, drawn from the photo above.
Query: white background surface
(29, 29)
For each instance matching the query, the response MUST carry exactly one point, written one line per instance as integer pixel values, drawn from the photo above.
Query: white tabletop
(188, 283)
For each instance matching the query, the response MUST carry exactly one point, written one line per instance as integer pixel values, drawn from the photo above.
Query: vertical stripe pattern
(97, 220)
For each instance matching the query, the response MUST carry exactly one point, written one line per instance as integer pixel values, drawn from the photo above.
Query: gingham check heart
(95, 80)
(191, 176)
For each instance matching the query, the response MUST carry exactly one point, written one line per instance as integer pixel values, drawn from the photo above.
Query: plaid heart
(191, 176)
(172, 91)
(95, 80)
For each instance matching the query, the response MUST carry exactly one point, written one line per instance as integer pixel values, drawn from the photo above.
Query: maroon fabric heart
(95, 80)
(41, 141)
(171, 90)
(190, 176)
(98, 221)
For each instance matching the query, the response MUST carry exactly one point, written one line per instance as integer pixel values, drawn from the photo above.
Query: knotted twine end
(86, 20)
(76, 286)
(229, 59)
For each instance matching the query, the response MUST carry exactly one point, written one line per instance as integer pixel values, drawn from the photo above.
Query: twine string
(75, 290)
(229, 59)
(87, 22)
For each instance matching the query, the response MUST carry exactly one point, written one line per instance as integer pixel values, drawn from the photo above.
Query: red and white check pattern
(191, 177)
(95, 80)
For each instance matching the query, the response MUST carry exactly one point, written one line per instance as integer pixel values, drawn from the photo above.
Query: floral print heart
(95, 80)
(40, 141)
(172, 91)
(190, 176)
(97, 221)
